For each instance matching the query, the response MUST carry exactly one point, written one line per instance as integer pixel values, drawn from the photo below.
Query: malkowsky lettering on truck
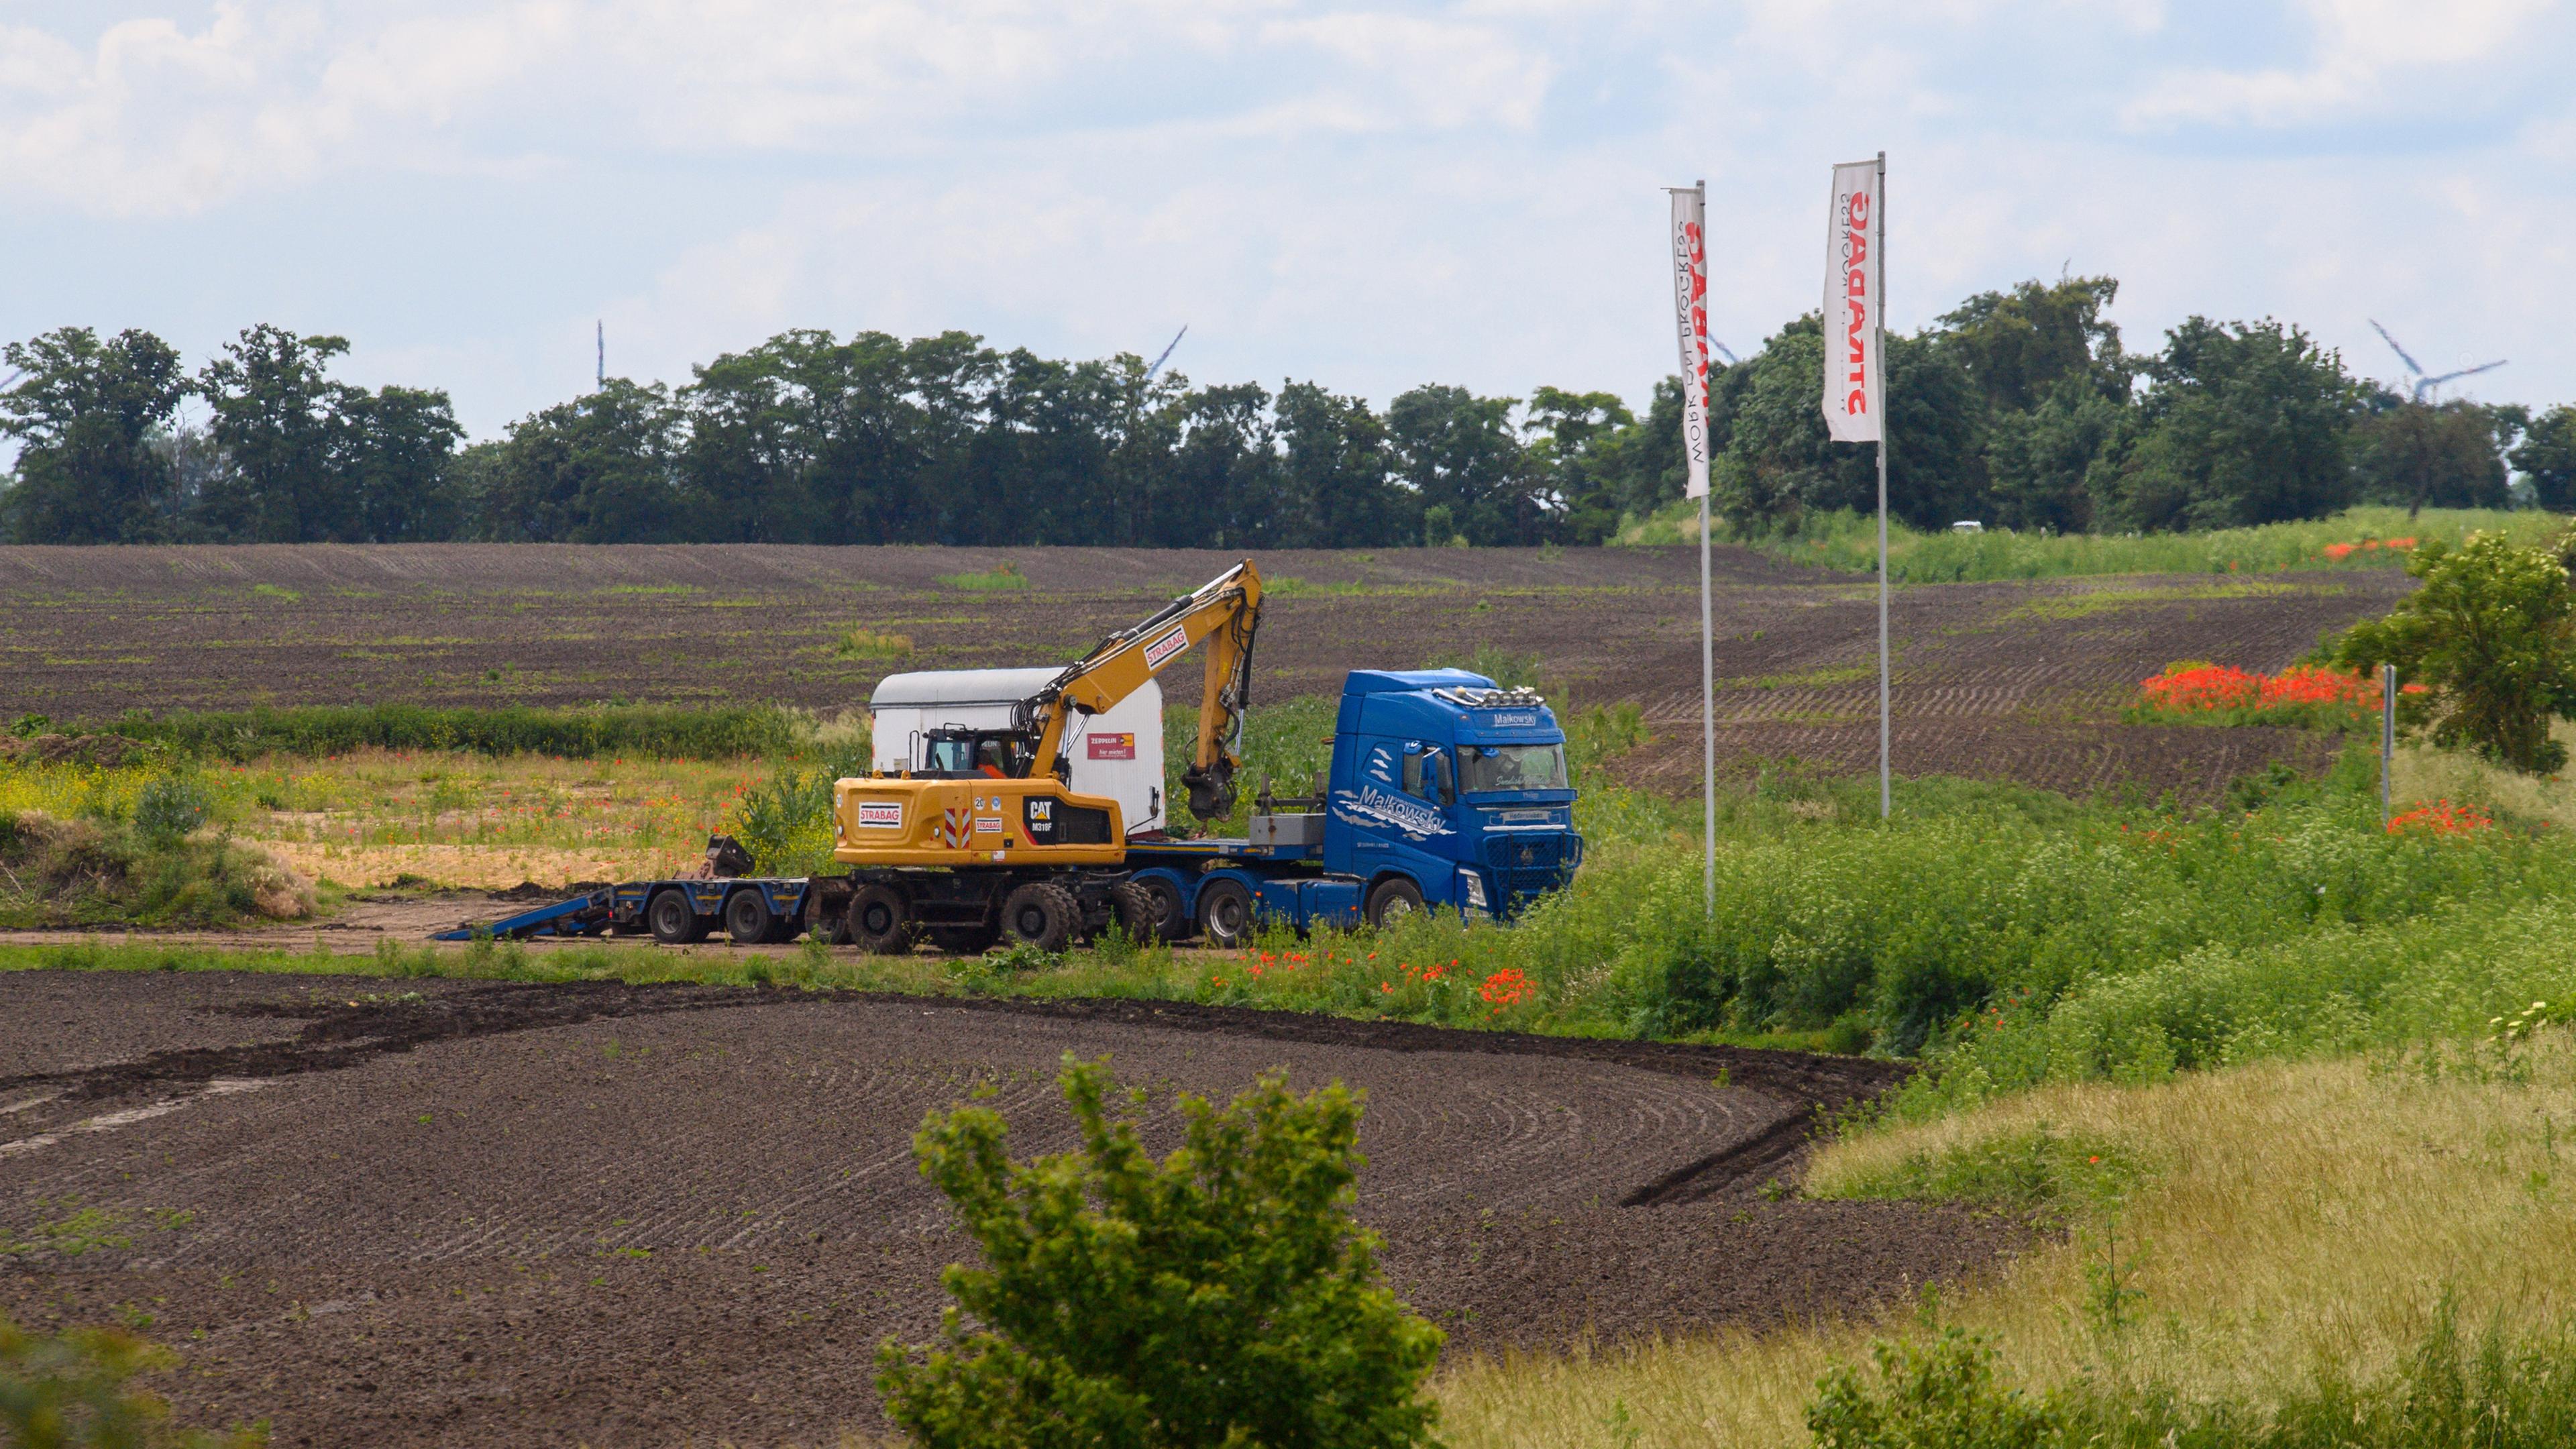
(1373, 806)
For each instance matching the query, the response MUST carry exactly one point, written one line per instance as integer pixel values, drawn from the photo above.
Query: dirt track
(458, 1213)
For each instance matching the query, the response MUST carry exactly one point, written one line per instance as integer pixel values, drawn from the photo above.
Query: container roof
(960, 686)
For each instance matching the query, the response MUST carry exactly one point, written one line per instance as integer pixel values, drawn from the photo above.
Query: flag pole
(1886, 797)
(1707, 689)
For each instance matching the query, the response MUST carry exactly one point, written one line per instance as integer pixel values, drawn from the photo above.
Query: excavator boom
(1225, 612)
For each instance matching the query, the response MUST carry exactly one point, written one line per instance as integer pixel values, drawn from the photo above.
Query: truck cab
(1446, 791)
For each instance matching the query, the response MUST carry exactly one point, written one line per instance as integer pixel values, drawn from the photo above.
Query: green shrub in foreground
(70, 1392)
(1220, 1296)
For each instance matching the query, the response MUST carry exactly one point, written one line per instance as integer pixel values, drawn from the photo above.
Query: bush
(171, 807)
(1221, 1296)
(1940, 1395)
(2493, 630)
(69, 1392)
(104, 871)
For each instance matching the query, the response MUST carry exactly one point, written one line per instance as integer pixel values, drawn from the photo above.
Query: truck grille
(1525, 865)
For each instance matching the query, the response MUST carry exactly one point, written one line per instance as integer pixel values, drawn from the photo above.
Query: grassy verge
(2287, 1232)
(1848, 542)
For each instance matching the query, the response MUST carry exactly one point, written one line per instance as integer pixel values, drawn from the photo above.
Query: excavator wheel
(1136, 911)
(880, 921)
(1042, 915)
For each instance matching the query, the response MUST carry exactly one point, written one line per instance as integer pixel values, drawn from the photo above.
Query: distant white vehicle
(1118, 753)
(1967, 525)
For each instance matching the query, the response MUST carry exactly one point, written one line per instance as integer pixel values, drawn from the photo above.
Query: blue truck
(1445, 792)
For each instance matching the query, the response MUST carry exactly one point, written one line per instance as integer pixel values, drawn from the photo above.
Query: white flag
(1855, 373)
(1690, 316)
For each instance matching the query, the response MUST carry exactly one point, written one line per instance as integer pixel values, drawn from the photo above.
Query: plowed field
(2021, 681)
(388, 1212)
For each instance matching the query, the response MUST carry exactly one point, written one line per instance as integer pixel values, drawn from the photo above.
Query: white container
(1118, 753)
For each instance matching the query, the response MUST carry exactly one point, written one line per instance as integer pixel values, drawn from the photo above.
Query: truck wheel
(962, 940)
(1170, 922)
(880, 922)
(674, 919)
(1136, 911)
(748, 919)
(1225, 914)
(1392, 900)
(1041, 915)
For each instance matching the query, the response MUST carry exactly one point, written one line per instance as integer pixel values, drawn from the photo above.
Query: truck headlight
(1471, 889)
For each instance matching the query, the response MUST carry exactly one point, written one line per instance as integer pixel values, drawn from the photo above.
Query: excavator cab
(956, 753)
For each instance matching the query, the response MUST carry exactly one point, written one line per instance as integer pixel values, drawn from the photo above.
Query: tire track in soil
(705, 1234)
(337, 1037)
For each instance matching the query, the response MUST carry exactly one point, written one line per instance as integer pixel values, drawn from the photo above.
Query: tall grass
(669, 731)
(1848, 542)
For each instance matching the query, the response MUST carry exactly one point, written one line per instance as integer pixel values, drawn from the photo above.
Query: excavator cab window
(966, 754)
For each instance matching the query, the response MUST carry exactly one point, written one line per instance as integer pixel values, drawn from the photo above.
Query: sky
(1369, 196)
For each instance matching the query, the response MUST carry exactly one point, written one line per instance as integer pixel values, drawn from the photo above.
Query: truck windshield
(1511, 767)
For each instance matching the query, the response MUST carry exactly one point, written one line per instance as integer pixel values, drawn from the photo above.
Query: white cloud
(2362, 47)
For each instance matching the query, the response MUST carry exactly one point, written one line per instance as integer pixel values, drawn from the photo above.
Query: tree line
(2019, 408)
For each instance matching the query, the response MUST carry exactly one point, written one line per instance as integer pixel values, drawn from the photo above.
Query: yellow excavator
(994, 842)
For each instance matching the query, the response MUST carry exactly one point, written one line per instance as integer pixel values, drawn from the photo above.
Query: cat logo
(1041, 810)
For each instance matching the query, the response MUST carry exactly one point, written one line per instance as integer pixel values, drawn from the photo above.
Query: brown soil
(2021, 680)
(388, 1212)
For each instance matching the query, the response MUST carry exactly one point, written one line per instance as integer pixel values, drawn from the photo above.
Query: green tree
(1220, 1296)
(2017, 346)
(398, 456)
(2446, 455)
(2242, 424)
(2547, 455)
(1775, 462)
(1461, 452)
(281, 423)
(1227, 468)
(86, 418)
(598, 469)
(2037, 461)
(1337, 471)
(1577, 453)
(2493, 631)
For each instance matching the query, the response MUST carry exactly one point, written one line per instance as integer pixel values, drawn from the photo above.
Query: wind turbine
(2424, 385)
(1167, 352)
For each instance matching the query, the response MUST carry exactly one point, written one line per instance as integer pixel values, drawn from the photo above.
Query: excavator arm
(1225, 612)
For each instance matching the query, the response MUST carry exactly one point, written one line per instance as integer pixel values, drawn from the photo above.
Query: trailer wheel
(880, 922)
(1168, 919)
(1225, 914)
(748, 919)
(675, 919)
(1137, 912)
(1042, 915)
(1392, 900)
